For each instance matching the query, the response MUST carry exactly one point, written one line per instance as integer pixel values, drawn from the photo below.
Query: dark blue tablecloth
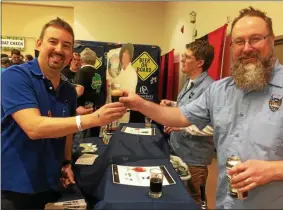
(72, 192)
(117, 196)
(125, 147)
(96, 182)
(89, 177)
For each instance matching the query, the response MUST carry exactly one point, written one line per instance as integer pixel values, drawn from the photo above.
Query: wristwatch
(66, 162)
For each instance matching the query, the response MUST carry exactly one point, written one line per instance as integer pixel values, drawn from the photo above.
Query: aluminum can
(230, 163)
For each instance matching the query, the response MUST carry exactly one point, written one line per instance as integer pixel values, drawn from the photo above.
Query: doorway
(278, 48)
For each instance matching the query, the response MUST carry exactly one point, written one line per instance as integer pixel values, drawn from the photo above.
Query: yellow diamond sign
(98, 63)
(145, 66)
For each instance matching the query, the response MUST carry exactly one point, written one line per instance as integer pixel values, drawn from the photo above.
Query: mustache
(250, 55)
(58, 54)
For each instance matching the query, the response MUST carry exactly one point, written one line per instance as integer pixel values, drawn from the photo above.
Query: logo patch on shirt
(96, 83)
(275, 102)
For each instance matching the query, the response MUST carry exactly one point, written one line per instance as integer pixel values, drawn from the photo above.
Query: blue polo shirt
(31, 166)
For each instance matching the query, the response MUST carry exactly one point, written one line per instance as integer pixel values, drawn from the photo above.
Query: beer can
(231, 162)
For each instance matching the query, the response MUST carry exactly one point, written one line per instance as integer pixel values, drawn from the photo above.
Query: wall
(26, 20)
(136, 22)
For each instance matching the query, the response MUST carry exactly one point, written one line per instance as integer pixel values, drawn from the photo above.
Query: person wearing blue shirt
(37, 124)
(246, 113)
(196, 151)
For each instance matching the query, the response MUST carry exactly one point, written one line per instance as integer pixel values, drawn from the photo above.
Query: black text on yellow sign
(98, 63)
(145, 66)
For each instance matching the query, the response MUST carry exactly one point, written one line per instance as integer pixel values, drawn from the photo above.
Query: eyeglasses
(253, 41)
(185, 56)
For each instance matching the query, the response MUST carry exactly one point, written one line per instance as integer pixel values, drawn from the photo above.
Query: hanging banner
(12, 42)
(216, 38)
(146, 62)
(167, 82)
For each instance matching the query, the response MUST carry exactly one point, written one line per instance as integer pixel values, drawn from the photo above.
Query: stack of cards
(86, 159)
(88, 147)
(72, 204)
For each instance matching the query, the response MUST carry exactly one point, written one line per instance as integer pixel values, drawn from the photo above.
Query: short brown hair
(252, 12)
(202, 50)
(59, 23)
(29, 57)
(16, 52)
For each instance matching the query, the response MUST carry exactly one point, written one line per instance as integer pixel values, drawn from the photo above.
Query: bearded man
(246, 113)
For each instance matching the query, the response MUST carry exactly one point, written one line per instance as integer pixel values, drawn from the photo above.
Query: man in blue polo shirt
(37, 127)
(246, 112)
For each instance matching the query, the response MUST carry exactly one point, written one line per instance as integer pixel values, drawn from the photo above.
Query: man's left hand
(67, 176)
(250, 174)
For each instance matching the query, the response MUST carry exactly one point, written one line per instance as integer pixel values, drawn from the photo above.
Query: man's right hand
(110, 112)
(132, 100)
(165, 102)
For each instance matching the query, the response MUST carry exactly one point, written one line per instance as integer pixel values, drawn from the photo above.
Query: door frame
(278, 40)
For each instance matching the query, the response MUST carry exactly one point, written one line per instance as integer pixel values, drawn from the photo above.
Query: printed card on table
(138, 175)
(86, 159)
(139, 131)
(71, 204)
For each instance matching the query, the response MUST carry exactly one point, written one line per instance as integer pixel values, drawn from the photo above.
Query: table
(117, 196)
(125, 147)
(88, 177)
(72, 192)
(96, 182)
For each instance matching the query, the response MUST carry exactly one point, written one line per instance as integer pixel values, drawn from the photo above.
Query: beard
(252, 76)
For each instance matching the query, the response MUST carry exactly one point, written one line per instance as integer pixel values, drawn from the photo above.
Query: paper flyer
(139, 131)
(138, 175)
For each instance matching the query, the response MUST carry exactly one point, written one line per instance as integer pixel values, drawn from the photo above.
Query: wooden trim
(34, 4)
(278, 40)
